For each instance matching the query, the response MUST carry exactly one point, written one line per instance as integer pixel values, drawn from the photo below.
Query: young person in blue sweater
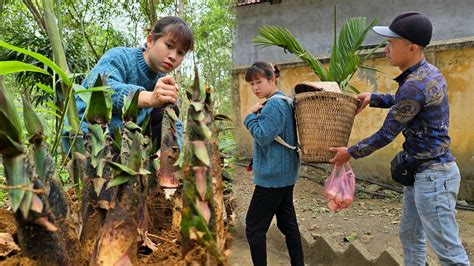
(275, 166)
(144, 69)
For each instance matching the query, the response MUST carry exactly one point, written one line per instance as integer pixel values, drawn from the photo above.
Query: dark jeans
(265, 203)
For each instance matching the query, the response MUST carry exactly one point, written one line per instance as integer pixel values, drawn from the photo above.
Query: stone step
(322, 250)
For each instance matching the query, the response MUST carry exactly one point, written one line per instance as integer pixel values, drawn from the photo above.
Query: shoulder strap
(284, 97)
(282, 142)
(278, 138)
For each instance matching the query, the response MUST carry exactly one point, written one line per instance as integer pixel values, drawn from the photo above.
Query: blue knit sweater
(126, 72)
(273, 164)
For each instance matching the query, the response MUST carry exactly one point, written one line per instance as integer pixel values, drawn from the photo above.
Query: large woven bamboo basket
(324, 119)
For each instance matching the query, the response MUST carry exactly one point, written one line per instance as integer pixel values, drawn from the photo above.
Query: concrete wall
(311, 22)
(455, 60)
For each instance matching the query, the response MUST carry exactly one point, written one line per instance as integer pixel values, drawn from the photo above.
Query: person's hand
(364, 99)
(165, 91)
(342, 156)
(254, 109)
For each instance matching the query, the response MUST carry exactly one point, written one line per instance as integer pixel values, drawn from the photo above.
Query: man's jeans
(429, 211)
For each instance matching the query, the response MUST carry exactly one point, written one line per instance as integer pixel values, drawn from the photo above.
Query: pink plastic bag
(339, 188)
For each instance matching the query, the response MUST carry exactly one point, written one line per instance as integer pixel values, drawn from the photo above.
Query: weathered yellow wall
(458, 67)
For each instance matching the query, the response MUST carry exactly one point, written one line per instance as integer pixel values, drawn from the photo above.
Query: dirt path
(373, 222)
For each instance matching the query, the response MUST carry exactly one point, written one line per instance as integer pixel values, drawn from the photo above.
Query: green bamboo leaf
(130, 107)
(9, 117)
(171, 113)
(122, 168)
(135, 155)
(100, 167)
(40, 153)
(45, 88)
(8, 67)
(42, 59)
(197, 106)
(82, 93)
(75, 75)
(52, 106)
(132, 126)
(98, 101)
(53, 114)
(98, 139)
(98, 185)
(118, 180)
(199, 116)
(200, 150)
(117, 138)
(99, 109)
(33, 124)
(16, 176)
(26, 202)
(8, 146)
(203, 131)
(82, 90)
(10, 128)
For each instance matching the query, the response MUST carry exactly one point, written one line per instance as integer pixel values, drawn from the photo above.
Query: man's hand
(254, 109)
(364, 99)
(165, 91)
(342, 156)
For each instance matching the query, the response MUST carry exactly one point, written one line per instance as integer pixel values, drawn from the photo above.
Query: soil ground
(374, 221)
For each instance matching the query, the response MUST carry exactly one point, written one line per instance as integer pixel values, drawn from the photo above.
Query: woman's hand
(165, 91)
(364, 99)
(254, 109)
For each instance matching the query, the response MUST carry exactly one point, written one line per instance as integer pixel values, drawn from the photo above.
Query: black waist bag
(403, 171)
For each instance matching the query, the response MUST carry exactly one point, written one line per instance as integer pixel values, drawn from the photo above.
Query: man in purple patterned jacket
(419, 109)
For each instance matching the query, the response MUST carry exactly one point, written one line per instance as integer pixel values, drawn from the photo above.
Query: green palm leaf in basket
(345, 55)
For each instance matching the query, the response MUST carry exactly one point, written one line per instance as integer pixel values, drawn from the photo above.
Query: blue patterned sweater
(419, 109)
(126, 72)
(273, 164)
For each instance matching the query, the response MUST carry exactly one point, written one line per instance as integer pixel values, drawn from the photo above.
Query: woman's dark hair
(262, 69)
(178, 29)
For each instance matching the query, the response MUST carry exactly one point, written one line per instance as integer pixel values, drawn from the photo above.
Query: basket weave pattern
(324, 119)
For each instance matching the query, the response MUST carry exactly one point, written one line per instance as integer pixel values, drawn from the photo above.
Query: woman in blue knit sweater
(143, 69)
(276, 167)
